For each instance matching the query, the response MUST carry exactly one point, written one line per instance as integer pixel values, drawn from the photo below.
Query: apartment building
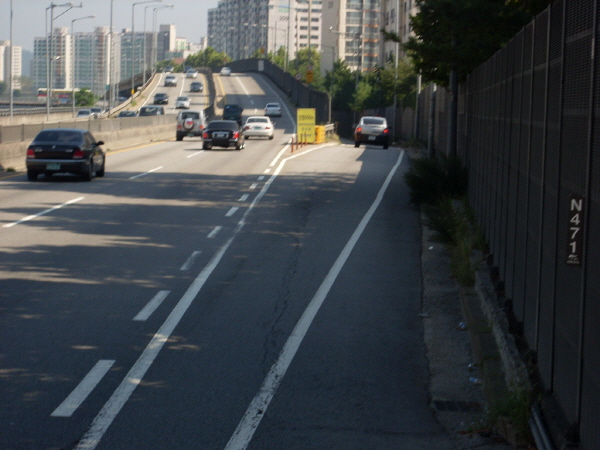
(5, 64)
(54, 49)
(396, 18)
(240, 28)
(352, 33)
(91, 63)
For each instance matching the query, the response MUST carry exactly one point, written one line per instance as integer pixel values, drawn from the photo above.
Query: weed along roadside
(480, 388)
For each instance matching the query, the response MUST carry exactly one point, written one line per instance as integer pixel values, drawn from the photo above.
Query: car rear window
(257, 119)
(374, 121)
(59, 136)
(223, 125)
(190, 115)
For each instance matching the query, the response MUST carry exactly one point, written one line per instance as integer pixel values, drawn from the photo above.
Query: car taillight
(201, 127)
(359, 129)
(267, 127)
(77, 153)
(386, 131)
(236, 134)
(247, 127)
(30, 153)
(205, 135)
(179, 127)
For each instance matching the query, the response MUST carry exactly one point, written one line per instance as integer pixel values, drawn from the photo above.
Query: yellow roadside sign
(306, 119)
(309, 76)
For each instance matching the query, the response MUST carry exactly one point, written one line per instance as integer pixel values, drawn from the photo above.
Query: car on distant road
(161, 98)
(233, 112)
(127, 114)
(225, 72)
(223, 133)
(190, 123)
(182, 102)
(259, 126)
(168, 69)
(170, 80)
(273, 109)
(196, 86)
(372, 130)
(151, 111)
(84, 113)
(191, 73)
(65, 150)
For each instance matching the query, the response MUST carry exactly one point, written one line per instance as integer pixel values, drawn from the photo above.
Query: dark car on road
(127, 114)
(223, 133)
(151, 111)
(233, 112)
(65, 150)
(196, 86)
(372, 130)
(161, 98)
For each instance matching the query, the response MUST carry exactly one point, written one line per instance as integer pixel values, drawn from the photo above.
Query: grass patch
(440, 187)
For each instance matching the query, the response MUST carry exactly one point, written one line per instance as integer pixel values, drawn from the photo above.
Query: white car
(225, 72)
(182, 102)
(191, 74)
(259, 126)
(273, 109)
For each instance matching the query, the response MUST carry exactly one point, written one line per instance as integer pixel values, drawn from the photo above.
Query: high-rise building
(92, 61)
(5, 64)
(352, 33)
(54, 49)
(241, 28)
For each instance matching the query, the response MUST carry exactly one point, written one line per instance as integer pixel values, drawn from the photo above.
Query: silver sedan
(259, 126)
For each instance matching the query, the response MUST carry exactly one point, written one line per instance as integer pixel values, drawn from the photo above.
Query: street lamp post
(73, 52)
(154, 43)
(50, 48)
(10, 75)
(133, 41)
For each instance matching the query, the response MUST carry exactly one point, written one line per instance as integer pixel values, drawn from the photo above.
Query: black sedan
(65, 150)
(161, 98)
(223, 133)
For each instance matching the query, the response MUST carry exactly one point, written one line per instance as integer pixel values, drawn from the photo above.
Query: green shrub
(431, 179)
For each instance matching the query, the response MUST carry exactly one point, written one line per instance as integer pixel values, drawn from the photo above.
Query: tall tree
(462, 34)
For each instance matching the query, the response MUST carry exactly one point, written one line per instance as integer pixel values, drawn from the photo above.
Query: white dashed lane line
(151, 306)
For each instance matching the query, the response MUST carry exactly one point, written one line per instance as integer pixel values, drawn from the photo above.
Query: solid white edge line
(151, 306)
(85, 387)
(33, 216)
(145, 173)
(258, 407)
(113, 406)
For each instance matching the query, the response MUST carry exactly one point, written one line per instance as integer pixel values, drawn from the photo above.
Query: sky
(188, 16)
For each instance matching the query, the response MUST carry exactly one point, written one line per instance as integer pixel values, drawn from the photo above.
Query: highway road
(217, 299)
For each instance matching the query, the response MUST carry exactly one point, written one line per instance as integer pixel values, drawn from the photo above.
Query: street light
(133, 40)
(10, 75)
(50, 52)
(73, 52)
(154, 43)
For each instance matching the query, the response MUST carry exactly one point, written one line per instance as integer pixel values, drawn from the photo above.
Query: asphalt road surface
(219, 299)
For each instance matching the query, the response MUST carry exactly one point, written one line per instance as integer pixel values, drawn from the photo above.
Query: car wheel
(386, 146)
(90, 172)
(31, 175)
(238, 146)
(100, 173)
(179, 138)
(205, 146)
(356, 144)
(271, 137)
